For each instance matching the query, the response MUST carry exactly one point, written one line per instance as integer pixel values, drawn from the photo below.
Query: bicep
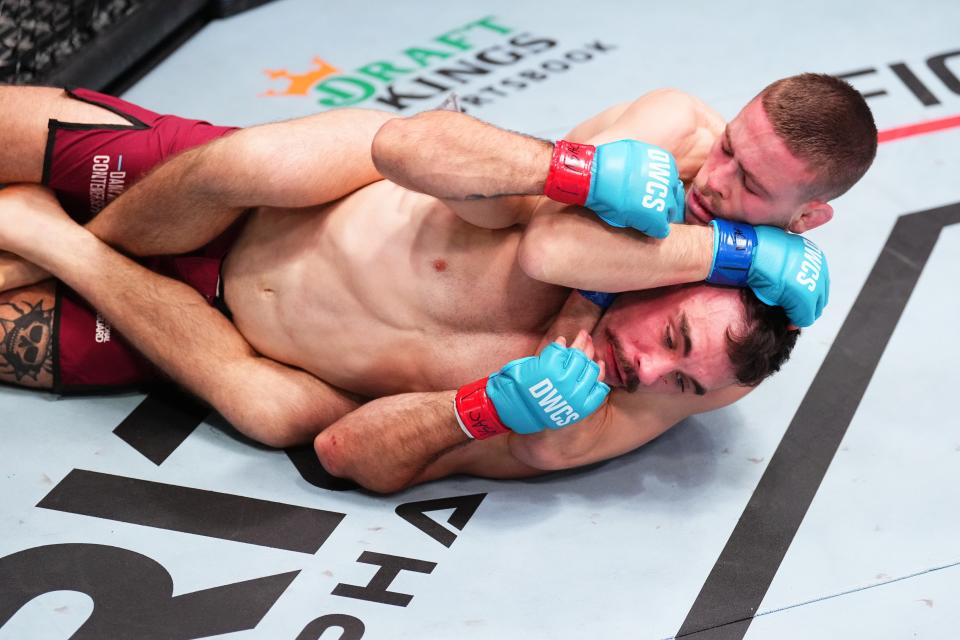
(592, 127)
(672, 119)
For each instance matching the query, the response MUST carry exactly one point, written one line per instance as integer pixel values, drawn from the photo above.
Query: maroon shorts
(87, 166)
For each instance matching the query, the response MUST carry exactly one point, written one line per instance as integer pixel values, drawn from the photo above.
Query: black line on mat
(745, 569)
(912, 82)
(161, 423)
(197, 511)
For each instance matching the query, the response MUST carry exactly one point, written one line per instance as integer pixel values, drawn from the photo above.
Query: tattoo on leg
(27, 343)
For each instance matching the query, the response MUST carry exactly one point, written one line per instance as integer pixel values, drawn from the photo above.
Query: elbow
(337, 455)
(388, 146)
(331, 454)
(541, 252)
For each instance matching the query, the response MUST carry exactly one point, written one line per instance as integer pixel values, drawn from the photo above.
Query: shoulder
(690, 125)
(681, 123)
(677, 108)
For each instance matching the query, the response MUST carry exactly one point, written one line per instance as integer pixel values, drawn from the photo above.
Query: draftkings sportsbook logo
(483, 61)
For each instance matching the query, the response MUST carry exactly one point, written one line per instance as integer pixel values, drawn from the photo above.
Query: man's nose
(652, 368)
(719, 177)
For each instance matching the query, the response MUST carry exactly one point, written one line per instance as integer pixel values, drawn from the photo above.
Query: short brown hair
(827, 124)
(764, 342)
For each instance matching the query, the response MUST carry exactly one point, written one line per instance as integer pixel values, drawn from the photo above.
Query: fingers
(584, 342)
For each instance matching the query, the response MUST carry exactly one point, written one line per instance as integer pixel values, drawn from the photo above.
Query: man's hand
(559, 387)
(783, 269)
(626, 183)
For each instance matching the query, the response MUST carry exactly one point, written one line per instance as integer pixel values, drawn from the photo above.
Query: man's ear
(813, 214)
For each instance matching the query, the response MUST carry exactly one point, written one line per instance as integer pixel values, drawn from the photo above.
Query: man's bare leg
(24, 114)
(190, 199)
(171, 324)
(26, 336)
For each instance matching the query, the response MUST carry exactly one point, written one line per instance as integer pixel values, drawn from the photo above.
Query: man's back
(385, 290)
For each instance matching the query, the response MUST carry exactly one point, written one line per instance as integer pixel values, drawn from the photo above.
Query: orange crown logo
(300, 83)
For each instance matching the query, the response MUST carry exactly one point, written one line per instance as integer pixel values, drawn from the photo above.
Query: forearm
(395, 442)
(455, 157)
(577, 314)
(573, 249)
(387, 444)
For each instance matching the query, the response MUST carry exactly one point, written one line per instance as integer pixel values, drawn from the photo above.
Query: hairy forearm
(573, 249)
(577, 314)
(456, 157)
(395, 442)
(388, 443)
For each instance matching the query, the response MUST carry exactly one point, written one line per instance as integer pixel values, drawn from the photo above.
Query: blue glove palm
(635, 184)
(555, 389)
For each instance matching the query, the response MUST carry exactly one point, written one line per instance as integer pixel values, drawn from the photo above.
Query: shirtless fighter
(433, 343)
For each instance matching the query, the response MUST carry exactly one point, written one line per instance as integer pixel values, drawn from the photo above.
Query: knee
(24, 195)
(268, 427)
(280, 439)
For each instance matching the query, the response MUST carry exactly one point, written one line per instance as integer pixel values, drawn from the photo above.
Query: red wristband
(568, 180)
(476, 413)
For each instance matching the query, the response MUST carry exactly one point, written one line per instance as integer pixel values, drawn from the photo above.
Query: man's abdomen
(385, 291)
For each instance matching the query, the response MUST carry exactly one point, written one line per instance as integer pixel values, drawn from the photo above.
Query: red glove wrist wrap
(568, 180)
(476, 412)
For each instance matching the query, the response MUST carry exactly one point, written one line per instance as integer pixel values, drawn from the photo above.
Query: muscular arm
(396, 442)
(467, 161)
(573, 249)
(568, 246)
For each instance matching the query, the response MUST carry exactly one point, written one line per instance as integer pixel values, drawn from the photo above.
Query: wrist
(476, 413)
(733, 247)
(568, 180)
